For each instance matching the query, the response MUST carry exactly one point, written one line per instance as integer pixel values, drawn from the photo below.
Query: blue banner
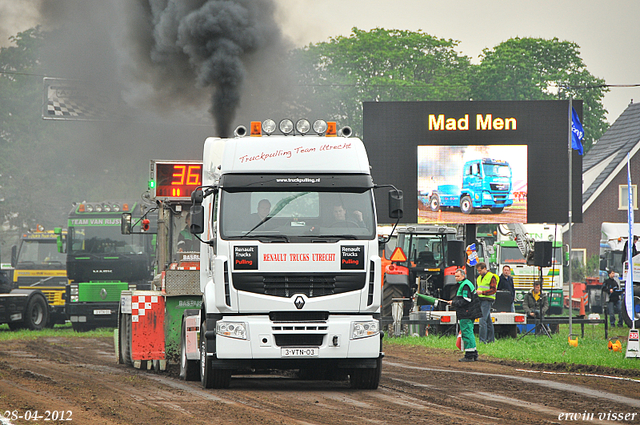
(577, 132)
(628, 297)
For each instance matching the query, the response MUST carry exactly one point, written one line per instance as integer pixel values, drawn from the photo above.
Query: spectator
(611, 287)
(487, 283)
(535, 302)
(506, 284)
(634, 250)
(262, 212)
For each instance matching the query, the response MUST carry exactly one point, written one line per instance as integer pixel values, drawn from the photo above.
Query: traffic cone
(459, 341)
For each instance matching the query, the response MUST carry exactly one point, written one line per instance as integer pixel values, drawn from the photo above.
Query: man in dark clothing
(535, 302)
(634, 250)
(467, 306)
(186, 241)
(506, 284)
(611, 287)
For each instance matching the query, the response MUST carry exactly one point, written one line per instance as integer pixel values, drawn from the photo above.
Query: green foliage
(591, 350)
(335, 77)
(539, 69)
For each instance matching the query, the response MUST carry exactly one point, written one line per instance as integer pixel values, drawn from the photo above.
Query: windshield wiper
(334, 237)
(271, 238)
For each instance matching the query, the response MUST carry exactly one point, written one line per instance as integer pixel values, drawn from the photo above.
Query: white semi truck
(289, 264)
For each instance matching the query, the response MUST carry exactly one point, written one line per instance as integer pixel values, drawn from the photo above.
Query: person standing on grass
(467, 306)
(506, 284)
(487, 287)
(611, 287)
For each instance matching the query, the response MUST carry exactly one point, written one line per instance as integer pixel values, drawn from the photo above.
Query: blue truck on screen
(486, 183)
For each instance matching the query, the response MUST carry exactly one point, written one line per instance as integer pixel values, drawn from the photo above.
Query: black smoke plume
(184, 46)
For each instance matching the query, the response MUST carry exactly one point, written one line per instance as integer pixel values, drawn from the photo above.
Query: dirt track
(418, 386)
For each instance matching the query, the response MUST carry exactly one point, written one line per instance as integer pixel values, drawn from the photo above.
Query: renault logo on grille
(299, 302)
(103, 293)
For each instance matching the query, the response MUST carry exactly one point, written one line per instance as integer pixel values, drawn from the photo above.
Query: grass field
(59, 330)
(591, 350)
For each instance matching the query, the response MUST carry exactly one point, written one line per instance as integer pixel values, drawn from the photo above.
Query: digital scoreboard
(174, 180)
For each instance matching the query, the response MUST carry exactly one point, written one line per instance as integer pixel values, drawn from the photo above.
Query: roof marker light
(286, 126)
(256, 129)
(303, 126)
(268, 126)
(320, 127)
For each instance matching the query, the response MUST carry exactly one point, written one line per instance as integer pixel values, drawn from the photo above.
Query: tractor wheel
(434, 202)
(389, 292)
(466, 206)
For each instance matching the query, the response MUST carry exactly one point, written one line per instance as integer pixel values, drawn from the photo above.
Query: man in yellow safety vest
(487, 284)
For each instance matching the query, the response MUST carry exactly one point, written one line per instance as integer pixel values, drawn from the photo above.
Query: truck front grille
(299, 340)
(309, 284)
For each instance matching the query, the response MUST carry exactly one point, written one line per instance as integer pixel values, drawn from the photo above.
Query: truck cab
(37, 264)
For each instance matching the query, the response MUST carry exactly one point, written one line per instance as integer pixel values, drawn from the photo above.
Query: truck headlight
(73, 293)
(364, 329)
(486, 196)
(232, 329)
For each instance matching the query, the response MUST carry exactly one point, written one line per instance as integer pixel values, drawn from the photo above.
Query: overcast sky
(608, 33)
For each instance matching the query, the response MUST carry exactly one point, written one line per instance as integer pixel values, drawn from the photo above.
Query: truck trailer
(289, 264)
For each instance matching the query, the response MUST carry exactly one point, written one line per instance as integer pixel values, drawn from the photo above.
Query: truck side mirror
(197, 219)
(197, 213)
(60, 240)
(14, 255)
(396, 204)
(125, 224)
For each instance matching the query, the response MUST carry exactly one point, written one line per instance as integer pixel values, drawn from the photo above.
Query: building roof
(609, 155)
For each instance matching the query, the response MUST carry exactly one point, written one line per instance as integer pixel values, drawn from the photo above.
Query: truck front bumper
(292, 345)
(97, 314)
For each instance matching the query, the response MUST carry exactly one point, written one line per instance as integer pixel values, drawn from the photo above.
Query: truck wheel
(635, 313)
(466, 206)
(497, 210)
(37, 313)
(366, 379)
(210, 377)
(14, 326)
(434, 202)
(188, 368)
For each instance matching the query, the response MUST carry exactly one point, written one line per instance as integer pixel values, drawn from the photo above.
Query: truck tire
(434, 202)
(37, 313)
(497, 210)
(366, 379)
(466, 206)
(189, 370)
(209, 376)
(389, 292)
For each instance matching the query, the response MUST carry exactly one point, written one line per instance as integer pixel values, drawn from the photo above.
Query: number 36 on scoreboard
(174, 180)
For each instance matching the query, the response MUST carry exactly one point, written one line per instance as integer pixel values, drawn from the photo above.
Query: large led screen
(442, 155)
(467, 184)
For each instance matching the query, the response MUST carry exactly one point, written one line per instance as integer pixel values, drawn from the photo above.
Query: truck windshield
(495, 170)
(288, 215)
(41, 252)
(104, 240)
(511, 255)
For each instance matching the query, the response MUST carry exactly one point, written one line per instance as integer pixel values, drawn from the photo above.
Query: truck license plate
(101, 312)
(300, 352)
